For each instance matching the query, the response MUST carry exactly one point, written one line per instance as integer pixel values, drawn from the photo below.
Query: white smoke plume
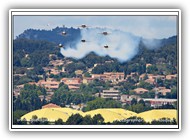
(121, 45)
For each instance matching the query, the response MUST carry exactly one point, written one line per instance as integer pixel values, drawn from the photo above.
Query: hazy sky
(145, 26)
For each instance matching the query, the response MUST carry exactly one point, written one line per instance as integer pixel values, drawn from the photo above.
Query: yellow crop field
(123, 112)
(109, 114)
(50, 113)
(156, 114)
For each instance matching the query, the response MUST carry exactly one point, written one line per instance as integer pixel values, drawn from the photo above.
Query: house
(148, 64)
(20, 86)
(99, 76)
(111, 93)
(150, 81)
(158, 88)
(164, 91)
(125, 99)
(20, 75)
(17, 89)
(78, 72)
(140, 90)
(171, 77)
(49, 92)
(54, 71)
(16, 92)
(42, 97)
(151, 76)
(73, 83)
(159, 102)
(129, 98)
(87, 80)
(51, 105)
(110, 76)
(52, 56)
(56, 62)
(63, 69)
(48, 84)
(132, 74)
(30, 68)
(48, 98)
(115, 76)
(110, 61)
(32, 83)
(142, 76)
(71, 87)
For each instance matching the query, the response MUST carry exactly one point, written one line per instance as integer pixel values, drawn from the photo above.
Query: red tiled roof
(50, 105)
(73, 87)
(150, 81)
(140, 90)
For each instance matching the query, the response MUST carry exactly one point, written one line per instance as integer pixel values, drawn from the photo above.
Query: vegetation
(17, 115)
(28, 99)
(53, 35)
(102, 103)
(63, 96)
(97, 119)
(138, 107)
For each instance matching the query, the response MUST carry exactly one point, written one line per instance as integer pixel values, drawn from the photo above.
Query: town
(146, 86)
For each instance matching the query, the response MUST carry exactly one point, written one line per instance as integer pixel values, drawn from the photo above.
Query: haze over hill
(121, 45)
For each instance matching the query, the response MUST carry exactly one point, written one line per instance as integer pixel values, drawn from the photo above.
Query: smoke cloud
(121, 45)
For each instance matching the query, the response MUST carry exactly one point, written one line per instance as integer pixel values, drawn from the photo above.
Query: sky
(144, 26)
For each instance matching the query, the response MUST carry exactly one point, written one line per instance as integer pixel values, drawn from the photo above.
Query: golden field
(109, 114)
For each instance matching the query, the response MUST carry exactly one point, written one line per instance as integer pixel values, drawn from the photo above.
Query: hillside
(54, 35)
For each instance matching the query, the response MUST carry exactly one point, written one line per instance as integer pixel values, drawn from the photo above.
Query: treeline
(97, 119)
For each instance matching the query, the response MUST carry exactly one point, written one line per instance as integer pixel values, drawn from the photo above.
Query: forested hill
(40, 43)
(54, 35)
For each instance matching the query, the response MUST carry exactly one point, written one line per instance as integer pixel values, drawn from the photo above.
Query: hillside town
(138, 91)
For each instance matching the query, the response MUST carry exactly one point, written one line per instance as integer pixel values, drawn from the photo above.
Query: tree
(59, 122)
(133, 101)
(87, 120)
(152, 69)
(74, 119)
(101, 103)
(25, 62)
(34, 120)
(150, 94)
(141, 102)
(28, 99)
(61, 84)
(17, 115)
(145, 85)
(98, 119)
(164, 121)
(87, 74)
(32, 75)
(160, 82)
(39, 70)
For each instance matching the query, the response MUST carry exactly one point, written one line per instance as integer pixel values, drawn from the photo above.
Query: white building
(111, 93)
